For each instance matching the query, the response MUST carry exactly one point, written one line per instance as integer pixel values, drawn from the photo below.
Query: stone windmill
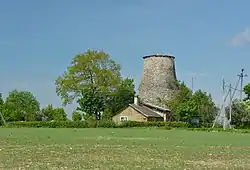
(158, 79)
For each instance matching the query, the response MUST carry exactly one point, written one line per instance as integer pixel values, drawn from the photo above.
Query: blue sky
(38, 39)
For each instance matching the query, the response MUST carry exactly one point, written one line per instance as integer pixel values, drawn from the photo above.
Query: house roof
(145, 111)
(156, 107)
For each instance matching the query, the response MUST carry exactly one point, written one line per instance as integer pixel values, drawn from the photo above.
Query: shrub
(111, 124)
(96, 124)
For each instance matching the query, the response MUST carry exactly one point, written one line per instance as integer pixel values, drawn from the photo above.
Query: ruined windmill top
(159, 55)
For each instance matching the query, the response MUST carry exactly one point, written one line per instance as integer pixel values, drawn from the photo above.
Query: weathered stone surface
(158, 79)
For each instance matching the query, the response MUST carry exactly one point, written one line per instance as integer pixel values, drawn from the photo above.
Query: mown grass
(41, 148)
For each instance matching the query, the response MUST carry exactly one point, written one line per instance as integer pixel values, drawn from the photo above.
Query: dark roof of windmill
(145, 111)
(159, 55)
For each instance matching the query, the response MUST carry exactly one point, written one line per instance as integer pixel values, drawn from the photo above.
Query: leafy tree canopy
(49, 113)
(93, 70)
(76, 116)
(122, 96)
(92, 103)
(184, 105)
(59, 114)
(21, 105)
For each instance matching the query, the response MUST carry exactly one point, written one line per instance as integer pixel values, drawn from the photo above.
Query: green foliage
(128, 124)
(186, 106)
(121, 97)
(93, 70)
(240, 114)
(47, 112)
(187, 110)
(1, 102)
(59, 114)
(97, 124)
(111, 124)
(76, 116)
(206, 108)
(91, 103)
(246, 90)
(182, 95)
(20, 105)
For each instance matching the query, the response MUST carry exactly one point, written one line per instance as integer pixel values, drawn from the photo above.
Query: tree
(246, 90)
(20, 105)
(91, 104)
(179, 100)
(1, 102)
(47, 112)
(240, 113)
(206, 107)
(1, 108)
(185, 106)
(187, 110)
(121, 97)
(93, 70)
(76, 116)
(92, 76)
(59, 114)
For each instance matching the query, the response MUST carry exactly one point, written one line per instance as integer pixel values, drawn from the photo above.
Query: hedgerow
(111, 124)
(95, 124)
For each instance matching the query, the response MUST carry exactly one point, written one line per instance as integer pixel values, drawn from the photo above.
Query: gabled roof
(145, 111)
(164, 109)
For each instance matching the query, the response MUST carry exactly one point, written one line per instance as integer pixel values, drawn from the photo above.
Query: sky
(38, 39)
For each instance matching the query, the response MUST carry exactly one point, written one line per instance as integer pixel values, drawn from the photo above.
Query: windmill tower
(158, 79)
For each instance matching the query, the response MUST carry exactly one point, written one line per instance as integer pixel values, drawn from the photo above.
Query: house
(139, 111)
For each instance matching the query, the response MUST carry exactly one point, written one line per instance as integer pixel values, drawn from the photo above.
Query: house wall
(132, 115)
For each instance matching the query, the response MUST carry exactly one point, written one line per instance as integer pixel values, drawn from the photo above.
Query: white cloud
(241, 38)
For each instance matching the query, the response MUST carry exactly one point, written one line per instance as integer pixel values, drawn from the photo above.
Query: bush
(111, 124)
(96, 124)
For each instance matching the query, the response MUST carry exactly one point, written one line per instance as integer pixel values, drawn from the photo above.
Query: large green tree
(21, 105)
(185, 106)
(93, 70)
(206, 107)
(179, 101)
(92, 103)
(89, 80)
(121, 97)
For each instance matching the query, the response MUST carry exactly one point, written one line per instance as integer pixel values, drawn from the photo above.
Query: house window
(123, 118)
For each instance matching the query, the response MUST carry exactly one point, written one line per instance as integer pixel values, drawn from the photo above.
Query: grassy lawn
(122, 149)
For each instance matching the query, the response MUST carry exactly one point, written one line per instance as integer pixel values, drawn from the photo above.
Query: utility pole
(241, 76)
(223, 105)
(230, 93)
(230, 104)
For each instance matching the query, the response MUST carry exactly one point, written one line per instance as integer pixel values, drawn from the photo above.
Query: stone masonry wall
(158, 79)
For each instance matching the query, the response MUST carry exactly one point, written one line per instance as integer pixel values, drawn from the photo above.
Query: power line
(229, 94)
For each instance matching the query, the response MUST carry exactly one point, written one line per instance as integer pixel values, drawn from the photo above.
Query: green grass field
(122, 149)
